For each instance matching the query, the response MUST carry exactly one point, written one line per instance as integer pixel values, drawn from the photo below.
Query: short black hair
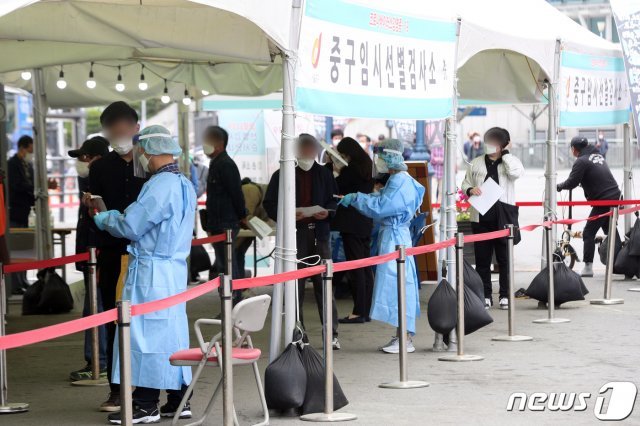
(337, 132)
(498, 134)
(307, 139)
(25, 141)
(366, 136)
(579, 142)
(118, 111)
(217, 133)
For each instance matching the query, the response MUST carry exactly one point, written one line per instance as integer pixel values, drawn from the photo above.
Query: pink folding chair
(248, 316)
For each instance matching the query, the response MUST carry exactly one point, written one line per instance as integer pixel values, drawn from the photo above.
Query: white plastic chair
(248, 316)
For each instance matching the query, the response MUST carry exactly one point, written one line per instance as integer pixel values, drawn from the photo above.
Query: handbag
(508, 215)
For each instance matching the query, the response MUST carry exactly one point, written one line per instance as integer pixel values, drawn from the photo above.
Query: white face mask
(82, 168)
(207, 149)
(122, 146)
(381, 165)
(305, 164)
(490, 149)
(144, 162)
(28, 157)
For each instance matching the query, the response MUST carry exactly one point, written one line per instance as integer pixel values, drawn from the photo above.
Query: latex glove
(100, 220)
(558, 188)
(347, 200)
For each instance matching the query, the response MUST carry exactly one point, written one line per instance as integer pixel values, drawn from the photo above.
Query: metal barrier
(460, 356)
(93, 309)
(404, 382)
(551, 318)
(611, 249)
(226, 291)
(124, 341)
(511, 336)
(6, 407)
(327, 328)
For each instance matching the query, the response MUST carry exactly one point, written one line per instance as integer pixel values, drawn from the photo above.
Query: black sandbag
(472, 280)
(199, 260)
(56, 296)
(285, 380)
(31, 298)
(568, 285)
(625, 264)
(603, 248)
(442, 308)
(475, 315)
(314, 396)
(634, 239)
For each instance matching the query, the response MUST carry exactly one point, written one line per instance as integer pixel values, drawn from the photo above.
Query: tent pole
(44, 245)
(550, 193)
(275, 340)
(628, 176)
(183, 137)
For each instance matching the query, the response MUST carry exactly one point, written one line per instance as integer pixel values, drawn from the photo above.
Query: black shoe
(169, 410)
(140, 416)
(368, 319)
(354, 320)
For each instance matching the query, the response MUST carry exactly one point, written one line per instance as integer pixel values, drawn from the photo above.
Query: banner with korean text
(357, 61)
(593, 90)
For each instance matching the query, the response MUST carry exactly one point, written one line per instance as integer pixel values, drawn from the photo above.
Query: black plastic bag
(442, 308)
(314, 397)
(56, 296)
(634, 239)
(472, 280)
(285, 380)
(31, 298)
(199, 260)
(625, 264)
(568, 285)
(603, 248)
(475, 315)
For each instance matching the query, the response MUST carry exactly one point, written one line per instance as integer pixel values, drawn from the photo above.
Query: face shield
(140, 165)
(385, 158)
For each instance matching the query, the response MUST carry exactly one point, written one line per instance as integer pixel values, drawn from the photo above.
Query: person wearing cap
(504, 168)
(315, 186)
(590, 170)
(159, 225)
(91, 150)
(393, 207)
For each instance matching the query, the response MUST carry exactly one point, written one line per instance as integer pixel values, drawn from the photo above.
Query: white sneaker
(487, 303)
(336, 344)
(587, 271)
(504, 303)
(391, 343)
(394, 346)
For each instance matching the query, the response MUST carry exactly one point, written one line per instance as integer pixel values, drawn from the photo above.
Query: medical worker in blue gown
(393, 208)
(159, 225)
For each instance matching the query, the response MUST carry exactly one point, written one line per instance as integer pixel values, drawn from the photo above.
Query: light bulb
(187, 98)
(165, 99)
(120, 87)
(205, 92)
(143, 86)
(26, 75)
(91, 83)
(61, 83)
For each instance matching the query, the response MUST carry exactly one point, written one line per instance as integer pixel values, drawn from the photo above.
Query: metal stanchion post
(327, 328)
(511, 336)
(5, 406)
(404, 382)
(460, 355)
(124, 342)
(551, 319)
(93, 309)
(227, 343)
(608, 279)
(229, 252)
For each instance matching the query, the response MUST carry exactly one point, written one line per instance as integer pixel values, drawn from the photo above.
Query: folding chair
(248, 316)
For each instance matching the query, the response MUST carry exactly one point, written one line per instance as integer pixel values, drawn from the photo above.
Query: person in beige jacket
(253, 195)
(504, 168)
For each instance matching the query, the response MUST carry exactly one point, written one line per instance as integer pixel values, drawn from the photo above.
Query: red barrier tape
(209, 240)
(599, 203)
(298, 274)
(361, 263)
(167, 302)
(42, 264)
(414, 251)
(486, 236)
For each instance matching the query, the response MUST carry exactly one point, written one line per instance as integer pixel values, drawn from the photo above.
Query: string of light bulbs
(120, 86)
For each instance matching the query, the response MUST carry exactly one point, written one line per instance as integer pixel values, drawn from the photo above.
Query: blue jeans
(102, 332)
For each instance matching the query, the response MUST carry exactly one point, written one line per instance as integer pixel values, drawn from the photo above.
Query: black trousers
(361, 280)
(309, 246)
(242, 246)
(590, 231)
(220, 263)
(484, 254)
(108, 272)
(148, 397)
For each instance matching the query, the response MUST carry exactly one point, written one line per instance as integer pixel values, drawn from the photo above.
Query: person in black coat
(591, 171)
(315, 186)
(20, 173)
(355, 229)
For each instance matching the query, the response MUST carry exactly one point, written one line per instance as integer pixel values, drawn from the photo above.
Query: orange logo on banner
(315, 52)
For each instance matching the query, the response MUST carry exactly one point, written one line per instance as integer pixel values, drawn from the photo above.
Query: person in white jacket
(504, 168)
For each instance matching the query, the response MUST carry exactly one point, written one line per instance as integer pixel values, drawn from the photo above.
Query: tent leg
(44, 245)
(275, 341)
(183, 136)
(628, 175)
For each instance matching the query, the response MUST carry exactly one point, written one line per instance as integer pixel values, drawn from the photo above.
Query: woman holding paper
(504, 168)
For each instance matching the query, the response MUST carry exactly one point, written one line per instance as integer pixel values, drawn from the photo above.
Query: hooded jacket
(591, 171)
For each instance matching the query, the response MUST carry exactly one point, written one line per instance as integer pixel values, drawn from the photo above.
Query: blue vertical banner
(357, 61)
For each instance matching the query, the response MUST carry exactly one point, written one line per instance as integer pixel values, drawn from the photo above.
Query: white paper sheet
(310, 211)
(491, 193)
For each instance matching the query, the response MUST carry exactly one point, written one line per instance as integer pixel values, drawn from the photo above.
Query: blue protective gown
(393, 208)
(159, 224)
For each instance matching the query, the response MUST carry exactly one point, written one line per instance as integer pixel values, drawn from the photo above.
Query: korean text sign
(593, 90)
(355, 61)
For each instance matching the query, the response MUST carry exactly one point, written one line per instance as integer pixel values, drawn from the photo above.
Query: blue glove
(347, 200)
(100, 220)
